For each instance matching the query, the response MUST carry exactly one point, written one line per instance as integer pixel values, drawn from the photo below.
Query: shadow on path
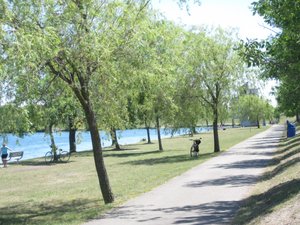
(234, 181)
(247, 164)
(220, 212)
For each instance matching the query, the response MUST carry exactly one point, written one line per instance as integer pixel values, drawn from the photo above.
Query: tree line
(278, 56)
(115, 65)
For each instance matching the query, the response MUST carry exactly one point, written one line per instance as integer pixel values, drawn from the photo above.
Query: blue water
(36, 145)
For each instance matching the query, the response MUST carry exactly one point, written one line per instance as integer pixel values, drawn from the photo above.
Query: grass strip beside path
(276, 198)
(68, 193)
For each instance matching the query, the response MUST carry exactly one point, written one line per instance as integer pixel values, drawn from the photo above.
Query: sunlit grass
(68, 193)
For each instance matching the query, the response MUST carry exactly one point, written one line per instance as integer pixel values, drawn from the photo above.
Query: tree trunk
(113, 134)
(233, 123)
(52, 141)
(82, 93)
(158, 134)
(207, 125)
(98, 157)
(193, 131)
(215, 128)
(257, 121)
(72, 135)
(148, 134)
(298, 117)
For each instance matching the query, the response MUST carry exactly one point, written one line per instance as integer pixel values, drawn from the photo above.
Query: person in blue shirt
(4, 153)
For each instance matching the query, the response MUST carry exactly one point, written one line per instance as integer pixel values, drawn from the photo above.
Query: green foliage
(288, 97)
(253, 108)
(14, 119)
(214, 66)
(278, 56)
(212, 70)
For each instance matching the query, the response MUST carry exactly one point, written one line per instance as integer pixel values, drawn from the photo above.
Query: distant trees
(253, 108)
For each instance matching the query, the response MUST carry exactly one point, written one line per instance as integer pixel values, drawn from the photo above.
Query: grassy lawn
(276, 198)
(68, 193)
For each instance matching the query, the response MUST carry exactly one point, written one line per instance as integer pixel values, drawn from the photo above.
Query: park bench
(15, 155)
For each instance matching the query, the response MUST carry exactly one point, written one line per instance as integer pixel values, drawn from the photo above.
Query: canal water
(37, 144)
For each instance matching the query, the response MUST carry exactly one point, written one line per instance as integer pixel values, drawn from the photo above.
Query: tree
(279, 55)
(158, 62)
(253, 108)
(288, 98)
(190, 111)
(74, 41)
(163, 82)
(213, 68)
(14, 120)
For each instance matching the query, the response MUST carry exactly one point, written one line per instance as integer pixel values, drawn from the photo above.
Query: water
(36, 145)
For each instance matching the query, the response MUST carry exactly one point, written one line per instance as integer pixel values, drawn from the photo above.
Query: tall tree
(158, 62)
(74, 41)
(213, 68)
(278, 55)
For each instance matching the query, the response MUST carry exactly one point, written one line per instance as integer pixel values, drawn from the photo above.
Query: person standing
(4, 153)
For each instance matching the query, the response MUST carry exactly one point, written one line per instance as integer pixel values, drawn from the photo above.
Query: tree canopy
(278, 56)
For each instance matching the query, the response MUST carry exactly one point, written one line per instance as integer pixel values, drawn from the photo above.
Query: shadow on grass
(280, 168)
(41, 163)
(288, 141)
(121, 154)
(262, 204)
(289, 154)
(170, 159)
(49, 213)
(33, 163)
(122, 148)
(288, 147)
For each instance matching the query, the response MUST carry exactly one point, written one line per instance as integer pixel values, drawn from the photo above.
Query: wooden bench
(15, 155)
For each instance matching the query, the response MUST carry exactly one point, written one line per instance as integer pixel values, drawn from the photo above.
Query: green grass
(68, 193)
(278, 189)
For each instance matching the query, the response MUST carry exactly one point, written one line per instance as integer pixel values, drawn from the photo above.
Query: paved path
(207, 194)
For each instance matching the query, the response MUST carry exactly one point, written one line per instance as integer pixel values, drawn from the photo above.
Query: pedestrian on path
(4, 154)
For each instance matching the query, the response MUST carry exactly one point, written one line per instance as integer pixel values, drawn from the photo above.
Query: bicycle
(62, 156)
(194, 151)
